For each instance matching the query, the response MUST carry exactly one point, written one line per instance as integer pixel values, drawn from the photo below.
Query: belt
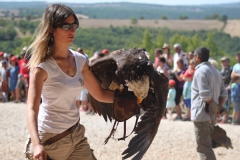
(60, 135)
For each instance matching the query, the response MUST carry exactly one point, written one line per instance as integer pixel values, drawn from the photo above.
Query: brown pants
(72, 147)
(203, 132)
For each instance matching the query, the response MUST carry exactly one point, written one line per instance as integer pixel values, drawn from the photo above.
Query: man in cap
(226, 75)
(207, 88)
(179, 54)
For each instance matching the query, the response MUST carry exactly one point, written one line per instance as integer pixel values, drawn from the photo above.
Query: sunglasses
(67, 26)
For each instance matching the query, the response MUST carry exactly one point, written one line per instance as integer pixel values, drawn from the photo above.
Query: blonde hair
(42, 47)
(213, 63)
(192, 62)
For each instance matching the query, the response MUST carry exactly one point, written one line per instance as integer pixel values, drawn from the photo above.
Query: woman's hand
(39, 153)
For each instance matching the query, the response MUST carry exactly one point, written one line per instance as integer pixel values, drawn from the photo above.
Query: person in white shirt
(57, 75)
(179, 54)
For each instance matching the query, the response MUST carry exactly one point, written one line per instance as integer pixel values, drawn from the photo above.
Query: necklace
(68, 71)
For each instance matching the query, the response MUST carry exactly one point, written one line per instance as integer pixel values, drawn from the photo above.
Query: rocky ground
(174, 141)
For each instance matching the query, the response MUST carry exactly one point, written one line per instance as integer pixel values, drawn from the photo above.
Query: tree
(28, 17)
(224, 18)
(215, 16)
(134, 21)
(175, 39)
(215, 52)
(164, 17)
(183, 17)
(194, 43)
(147, 42)
(160, 40)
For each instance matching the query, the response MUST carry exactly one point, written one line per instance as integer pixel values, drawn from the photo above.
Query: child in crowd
(235, 95)
(171, 98)
(187, 93)
(191, 67)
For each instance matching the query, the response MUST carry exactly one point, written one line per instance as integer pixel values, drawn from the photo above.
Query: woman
(14, 70)
(162, 66)
(179, 78)
(167, 55)
(57, 75)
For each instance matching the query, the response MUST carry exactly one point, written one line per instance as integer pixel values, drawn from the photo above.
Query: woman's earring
(51, 39)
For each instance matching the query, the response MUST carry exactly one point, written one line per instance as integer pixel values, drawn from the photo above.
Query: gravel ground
(174, 141)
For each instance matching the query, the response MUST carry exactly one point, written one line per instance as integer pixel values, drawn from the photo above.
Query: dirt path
(174, 140)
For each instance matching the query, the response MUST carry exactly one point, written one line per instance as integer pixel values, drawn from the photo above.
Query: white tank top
(58, 110)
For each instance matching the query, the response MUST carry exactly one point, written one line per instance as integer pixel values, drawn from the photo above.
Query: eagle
(137, 85)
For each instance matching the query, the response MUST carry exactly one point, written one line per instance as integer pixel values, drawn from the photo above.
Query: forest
(113, 38)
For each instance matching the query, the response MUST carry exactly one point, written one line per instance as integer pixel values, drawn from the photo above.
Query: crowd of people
(14, 77)
(179, 67)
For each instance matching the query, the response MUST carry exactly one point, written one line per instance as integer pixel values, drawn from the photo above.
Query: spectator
(207, 87)
(179, 79)
(157, 53)
(82, 100)
(213, 63)
(22, 87)
(236, 67)
(226, 76)
(178, 55)
(23, 66)
(94, 57)
(167, 55)
(80, 50)
(14, 70)
(1, 58)
(162, 66)
(190, 55)
(171, 98)
(187, 93)
(4, 80)
(105, 51)
(191, 67)
(235, 95)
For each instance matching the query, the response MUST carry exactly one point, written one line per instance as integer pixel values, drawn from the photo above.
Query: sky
(163, 2)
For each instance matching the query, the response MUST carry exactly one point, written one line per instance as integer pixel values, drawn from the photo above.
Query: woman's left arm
(93, 86)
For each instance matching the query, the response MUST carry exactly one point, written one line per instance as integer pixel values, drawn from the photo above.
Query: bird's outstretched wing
(146, 129)
(103, 71)
(121, 68)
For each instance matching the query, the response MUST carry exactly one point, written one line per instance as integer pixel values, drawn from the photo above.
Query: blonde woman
(57, 76)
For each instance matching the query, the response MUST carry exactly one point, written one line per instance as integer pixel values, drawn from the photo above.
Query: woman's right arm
(38, 76)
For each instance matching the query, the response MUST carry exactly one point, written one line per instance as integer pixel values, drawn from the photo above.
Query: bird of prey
(137, 85)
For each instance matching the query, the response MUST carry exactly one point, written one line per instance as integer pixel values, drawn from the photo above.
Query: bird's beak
(139, 100)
